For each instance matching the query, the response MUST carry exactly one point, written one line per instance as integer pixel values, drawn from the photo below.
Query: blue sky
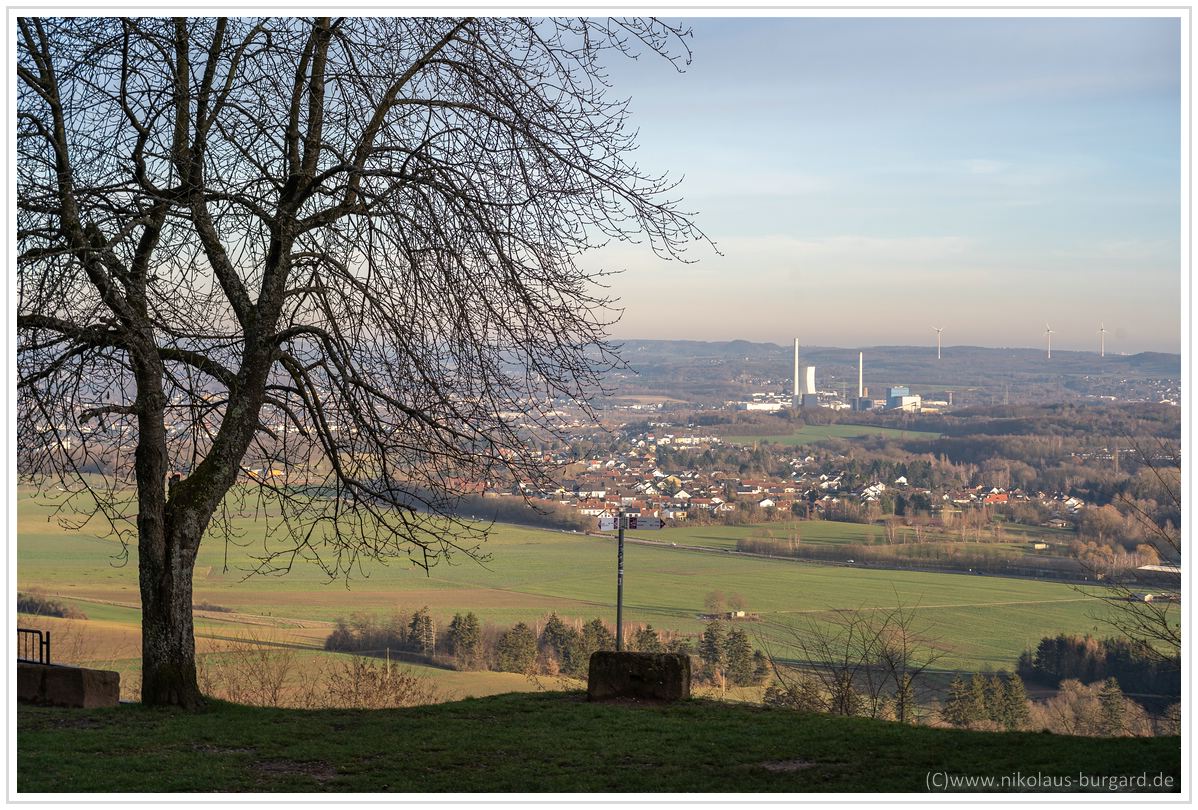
(866, 179)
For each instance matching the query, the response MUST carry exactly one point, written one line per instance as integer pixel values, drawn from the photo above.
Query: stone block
(68, 686)
(639, 676)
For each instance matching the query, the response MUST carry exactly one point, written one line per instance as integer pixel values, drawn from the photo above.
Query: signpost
(622, 522)
(620, 585)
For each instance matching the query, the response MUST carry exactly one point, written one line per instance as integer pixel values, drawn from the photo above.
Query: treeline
(1055, 419)
(38, 605)
(1101, 709)
(997, 702)
(1134, 665)
(948, 556)
(747, 462)
(554, 646)
(465, 643)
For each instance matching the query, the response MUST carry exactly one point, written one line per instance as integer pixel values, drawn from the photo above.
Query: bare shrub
(37, 603)
(1078, 709)
(858, 662)
(365, 683)
(252, 670)
(70, 642)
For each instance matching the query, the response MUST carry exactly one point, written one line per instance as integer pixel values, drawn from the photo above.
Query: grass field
(979, 622)
(818, 532)
(835, 533)
(809, 434)
(552, 742)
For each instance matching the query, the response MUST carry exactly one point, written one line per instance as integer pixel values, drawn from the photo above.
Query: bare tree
(858, 662)
(1155, 622)
(310, 267)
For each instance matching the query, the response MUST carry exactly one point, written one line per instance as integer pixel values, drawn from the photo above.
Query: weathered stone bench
(67, 686)
(640, 676)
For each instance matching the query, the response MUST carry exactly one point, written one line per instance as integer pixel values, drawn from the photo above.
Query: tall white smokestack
(796, 377)
(860, 374)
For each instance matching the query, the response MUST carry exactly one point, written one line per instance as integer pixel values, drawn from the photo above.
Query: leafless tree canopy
(347, 247)
(1157, 623)
(856, 662)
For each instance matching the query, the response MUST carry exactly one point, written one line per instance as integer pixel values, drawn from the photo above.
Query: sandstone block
(640, 676)
(68, 686)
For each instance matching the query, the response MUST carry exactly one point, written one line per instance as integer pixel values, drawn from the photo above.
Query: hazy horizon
(945, 347)
(867, 179)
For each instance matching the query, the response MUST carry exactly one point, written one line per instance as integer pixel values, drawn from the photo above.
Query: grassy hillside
(979, 622)
(548, 742)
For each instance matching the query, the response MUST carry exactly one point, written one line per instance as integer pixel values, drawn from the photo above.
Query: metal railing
(33, 646)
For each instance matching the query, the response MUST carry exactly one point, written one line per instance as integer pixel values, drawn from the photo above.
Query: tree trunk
(168, 675)
(166, 550)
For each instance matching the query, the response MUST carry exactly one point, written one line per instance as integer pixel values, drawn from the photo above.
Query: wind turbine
(1048, 332)
(938, 329)
(1101, 340)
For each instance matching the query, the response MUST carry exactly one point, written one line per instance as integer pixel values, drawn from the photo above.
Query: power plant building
(808, 386)
(899, 398)
(804, 395)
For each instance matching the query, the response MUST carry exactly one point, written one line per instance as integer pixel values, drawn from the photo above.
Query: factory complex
(804, 394)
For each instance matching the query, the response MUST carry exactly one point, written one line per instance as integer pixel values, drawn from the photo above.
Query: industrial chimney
(860, 374)
(798, 394)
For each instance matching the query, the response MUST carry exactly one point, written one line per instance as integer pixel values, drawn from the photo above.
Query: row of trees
(1135, 665)
(997, 702)
(943, 555)
(556, 647)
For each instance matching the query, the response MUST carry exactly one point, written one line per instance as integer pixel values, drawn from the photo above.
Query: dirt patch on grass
(320, 771)
(205, 748)
(788, 765)
(81, 722)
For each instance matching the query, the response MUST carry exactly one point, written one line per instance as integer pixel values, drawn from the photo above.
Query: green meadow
(977, 622)
(816, 532)
(552, 742)
(810, 434)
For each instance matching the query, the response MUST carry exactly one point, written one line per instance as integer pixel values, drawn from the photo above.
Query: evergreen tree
(738, 658)
(596, 636)
(761, 667)
(516, 650)
(711, 648)
(453, 633)
(976, 706)
(680, 644)
(956, 709)
(565, 644)
(422, 636)
(646, 640)
(573, 658)
(1114, 712)
(994, 702)
(464, 637)
(1015, 707)
(554, 635)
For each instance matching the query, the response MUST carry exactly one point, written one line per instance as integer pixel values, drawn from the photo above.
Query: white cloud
(984, 166)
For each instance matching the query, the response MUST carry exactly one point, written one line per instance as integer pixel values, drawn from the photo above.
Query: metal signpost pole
(620, 583)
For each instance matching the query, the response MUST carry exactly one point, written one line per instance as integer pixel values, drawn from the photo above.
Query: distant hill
(709, 371)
